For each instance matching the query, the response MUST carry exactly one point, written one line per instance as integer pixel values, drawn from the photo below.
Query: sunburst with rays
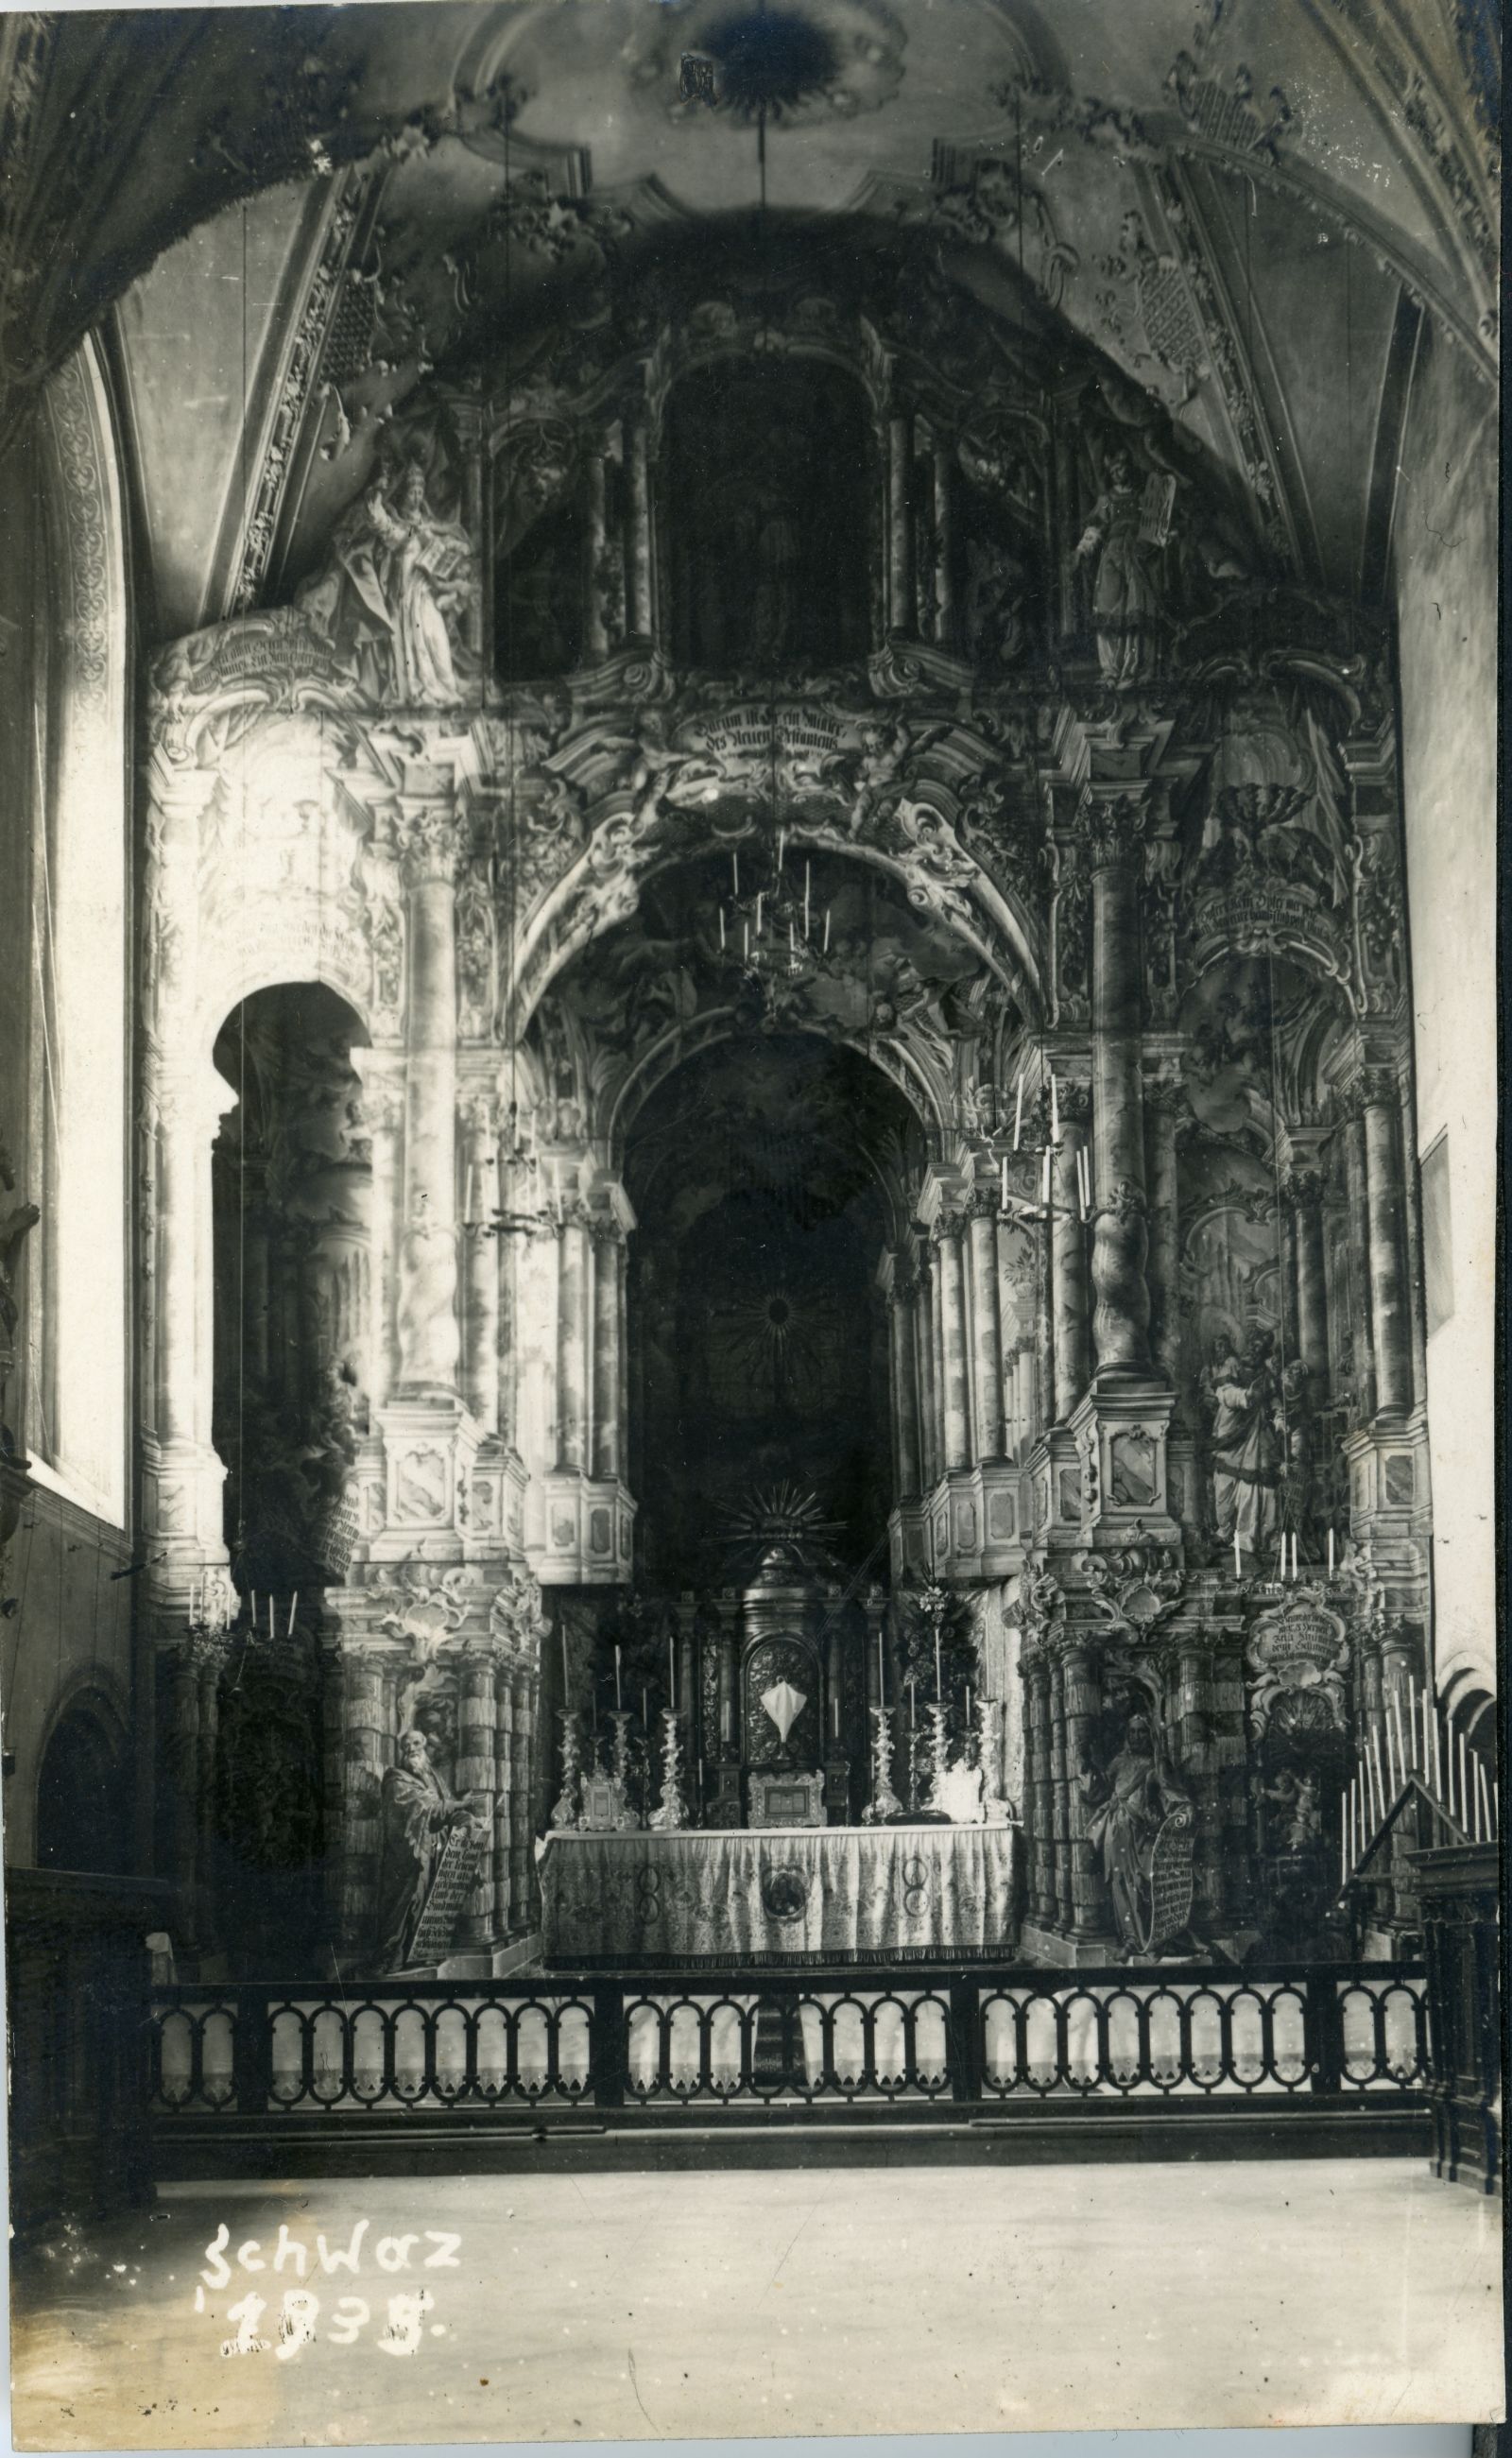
(786, 1515)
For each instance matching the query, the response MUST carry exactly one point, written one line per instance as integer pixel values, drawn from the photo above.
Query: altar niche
(768, 491)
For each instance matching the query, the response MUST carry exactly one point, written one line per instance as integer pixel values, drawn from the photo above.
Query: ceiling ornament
(784, 66)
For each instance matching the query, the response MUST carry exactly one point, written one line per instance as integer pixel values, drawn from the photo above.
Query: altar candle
(793, 937)
(270, 1616)
(1465, 1788)
(1343, 1852)
(782, 838)
(1045, 1185)
(734, 870)
(1004, 1182)
(881, 1683)
(1238, 1571)
(645, 1711)
(1018, 1111)
(618, 1700)
(294, 1607)
(807, 884)
(834, 1717)
(968, 1703)
(1393, 1771)
(938, 1691)
(1437, 1763)
(1055, 1111)
(745, 941)
(1294, 1555)
(760, 893)
(672, 1677)
(1380, 1780)
(913, 1707)
(1484, 1798)
(1402, 1737)
(1331, 1553)
(826, 929)
(721, 929)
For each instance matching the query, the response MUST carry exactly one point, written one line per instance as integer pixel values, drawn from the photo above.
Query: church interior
(747, 978)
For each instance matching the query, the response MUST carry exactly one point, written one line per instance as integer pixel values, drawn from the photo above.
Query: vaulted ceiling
(284, 220)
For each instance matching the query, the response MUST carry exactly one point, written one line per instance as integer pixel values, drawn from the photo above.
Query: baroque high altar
(822, 660)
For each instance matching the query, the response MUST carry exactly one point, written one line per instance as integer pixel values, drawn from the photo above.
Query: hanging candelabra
(770, 924)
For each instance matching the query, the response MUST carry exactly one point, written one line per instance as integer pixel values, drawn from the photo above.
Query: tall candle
(807, 884)
(1045, 1185)
(1393, 1771)
(1380, 1780)
(881, 1683)
(913, 1706)
(835, 1717)
(645, 1710)
(1465, 1788)
(721, 929)
(564, 1665)
(1487, 1827)
(1004, 1196)
(1018, 1111)
(1437, 1763)
(294, 1607)
(1402, 1737)
(618, 1700)
(760, 893)
(1055, 1111)
(1331, 1553)
(734, 870)
(938, 1690)
(1238, 1568)
(270, 1616)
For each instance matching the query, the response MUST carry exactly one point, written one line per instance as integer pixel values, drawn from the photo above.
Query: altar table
(731, 1898)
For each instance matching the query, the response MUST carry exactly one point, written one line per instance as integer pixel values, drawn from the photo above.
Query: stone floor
(629, 2307)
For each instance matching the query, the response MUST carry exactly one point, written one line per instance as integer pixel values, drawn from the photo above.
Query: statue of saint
(1244, 1445)
(395, 575)
(1130, 1802)
(417, 1810)
(1126, 596)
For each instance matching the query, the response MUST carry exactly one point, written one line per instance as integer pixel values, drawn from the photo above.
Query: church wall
(1445, 576)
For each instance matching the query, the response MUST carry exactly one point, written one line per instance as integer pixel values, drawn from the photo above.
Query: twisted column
(986, 1327)
(479, 1365)
(429, 1352)
(953, 1344)
(606, 1242)
(1121, 1321)
(901, 607)
(571, 1341)
(637, 516)
(1391, 1326)
(1073, 1363)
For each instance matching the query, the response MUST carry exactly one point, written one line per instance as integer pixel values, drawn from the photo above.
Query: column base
(419, 1509)
(588, 1539)
(1120, 1431)
(1055, 1492)
(970, 1523)
(908, 1537)
(183, 1517)
(1389, 1504)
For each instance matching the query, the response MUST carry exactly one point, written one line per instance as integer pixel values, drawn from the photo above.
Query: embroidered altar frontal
(778, 1895)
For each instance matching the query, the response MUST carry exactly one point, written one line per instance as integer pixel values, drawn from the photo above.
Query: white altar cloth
(729, 1897)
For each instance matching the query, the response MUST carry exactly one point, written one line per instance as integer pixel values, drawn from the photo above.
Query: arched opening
(768, 492)
(292, 1193)
(762, 1174)
(84, 1793)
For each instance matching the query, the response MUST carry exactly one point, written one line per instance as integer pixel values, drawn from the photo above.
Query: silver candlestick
(673, 1811)
(885, 1801)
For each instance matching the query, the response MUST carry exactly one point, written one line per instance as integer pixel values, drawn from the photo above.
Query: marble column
(572, 1341)
(986, 1327)
(383, 1111)
(945, 506)
(502, 1798)
(1060, 1790)
(480, 1362)
(924, 1318)
(524, 1688)
(368, 1752)
(1361, 1335)
(1121, 1319)
(1092, 1913)
(429, 1348)
(901, 602)
(1391, 1327)
(606, 1242)
(905, 1389)
(953, 1344)
(1303, 1191)
(637, 522)
(622, 1348)
(1042, 1826)
(477, 1772)
(596, 632)
(1164, 1102)
(1073, 1363)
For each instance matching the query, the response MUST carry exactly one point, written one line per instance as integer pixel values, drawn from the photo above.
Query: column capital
(1111, 825)
(1380, 1087)
(429, 841)
(1303, 1189)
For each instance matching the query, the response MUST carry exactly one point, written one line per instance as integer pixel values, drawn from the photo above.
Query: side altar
(717, 1898)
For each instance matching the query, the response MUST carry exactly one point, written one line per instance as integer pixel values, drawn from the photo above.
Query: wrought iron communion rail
(910, 2038)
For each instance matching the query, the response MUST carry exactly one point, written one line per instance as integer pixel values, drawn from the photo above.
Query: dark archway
(764, 1175)
(84, 1808)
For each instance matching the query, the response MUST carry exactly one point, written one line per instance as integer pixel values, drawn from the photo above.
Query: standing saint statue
(1126, 596)
(417, 1810)
(389, 592)
(1130, 1802)
(1244, 1445)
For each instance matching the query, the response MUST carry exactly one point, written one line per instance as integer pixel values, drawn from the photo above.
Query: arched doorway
(763, 1174)
(84, 1792)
